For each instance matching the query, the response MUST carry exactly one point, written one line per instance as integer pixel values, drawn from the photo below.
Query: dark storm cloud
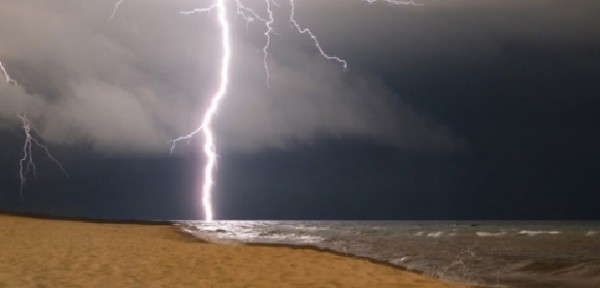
(437, 39)
(143, 78)
(513, 84)
(135, 82)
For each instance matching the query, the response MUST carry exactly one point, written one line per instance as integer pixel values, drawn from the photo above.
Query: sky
(454, 109)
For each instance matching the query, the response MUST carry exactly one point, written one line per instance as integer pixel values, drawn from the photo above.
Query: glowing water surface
(502, 254)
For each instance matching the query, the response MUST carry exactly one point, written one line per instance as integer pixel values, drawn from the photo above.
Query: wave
(400, 261)
(566, 268)
(211, 237)
(538, 232)
(490, 234)
(435, 234)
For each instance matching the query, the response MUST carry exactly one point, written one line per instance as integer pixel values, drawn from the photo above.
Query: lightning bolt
(395, 2)
(26, 164)
(313, 37)
(268, 24)
(115, 8)
(6, 76)
(249, 15)
(205, 127)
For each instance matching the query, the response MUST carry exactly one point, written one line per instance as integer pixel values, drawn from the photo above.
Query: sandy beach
(62, 253)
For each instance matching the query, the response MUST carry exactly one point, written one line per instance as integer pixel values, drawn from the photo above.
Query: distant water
(498, 254)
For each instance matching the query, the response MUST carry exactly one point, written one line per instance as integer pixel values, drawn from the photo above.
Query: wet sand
(64, 253)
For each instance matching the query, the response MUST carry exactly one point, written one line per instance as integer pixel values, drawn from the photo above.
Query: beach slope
(60, 253)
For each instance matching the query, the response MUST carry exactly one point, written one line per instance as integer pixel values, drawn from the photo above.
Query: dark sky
(450, 110)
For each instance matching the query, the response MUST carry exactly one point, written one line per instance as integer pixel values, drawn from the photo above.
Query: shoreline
(85, 220)
(336, 253)
(118, 253)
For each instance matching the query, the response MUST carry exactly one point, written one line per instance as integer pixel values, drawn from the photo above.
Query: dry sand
(59, 253)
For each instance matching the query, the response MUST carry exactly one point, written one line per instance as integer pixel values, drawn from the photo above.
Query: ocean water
(496, 254)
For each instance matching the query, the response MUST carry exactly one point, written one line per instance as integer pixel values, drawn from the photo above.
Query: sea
(490, 253)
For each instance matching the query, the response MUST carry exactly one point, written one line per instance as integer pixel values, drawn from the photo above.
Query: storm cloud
(456, 109)
(134, 83)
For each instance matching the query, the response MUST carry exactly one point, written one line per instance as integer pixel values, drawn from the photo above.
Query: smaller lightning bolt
(267, 34)
(115, 8)
(26, 164)
(308, 32)
(313, 37)
(396, 2)
(6, 76)
(249, 15)
(200, 10)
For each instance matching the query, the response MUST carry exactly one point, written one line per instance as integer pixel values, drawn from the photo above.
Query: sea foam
(490, 234)
(537, 232)
(435, 234)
